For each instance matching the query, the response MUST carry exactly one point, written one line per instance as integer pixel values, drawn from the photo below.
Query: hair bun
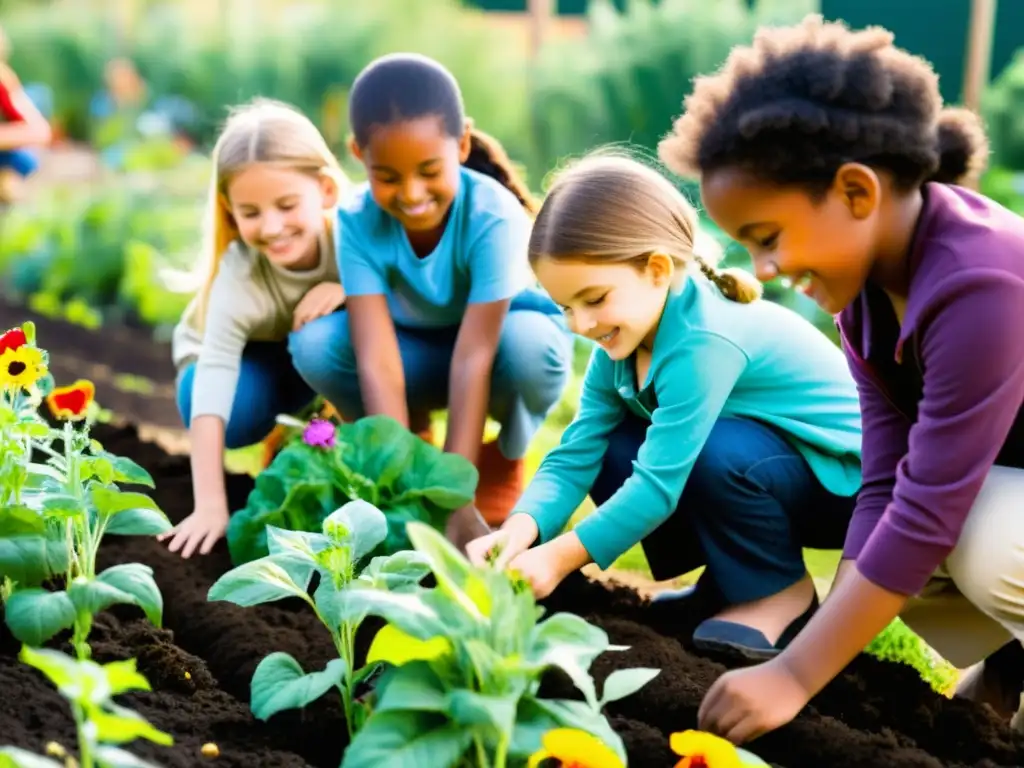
(962, 144)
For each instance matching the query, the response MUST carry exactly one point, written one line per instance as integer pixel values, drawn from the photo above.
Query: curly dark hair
(407, 86)
(800, 101)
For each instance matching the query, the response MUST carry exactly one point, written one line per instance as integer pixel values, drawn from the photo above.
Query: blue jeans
(21, 161)
(531, 369)
(268, 385)
(749, 506)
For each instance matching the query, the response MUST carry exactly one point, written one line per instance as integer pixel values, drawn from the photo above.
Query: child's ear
(329, 189)
(859, 188)
(353, 148)
(466, 141)
(661, 268)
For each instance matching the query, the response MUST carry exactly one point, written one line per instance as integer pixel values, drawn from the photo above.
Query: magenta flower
(319, 433)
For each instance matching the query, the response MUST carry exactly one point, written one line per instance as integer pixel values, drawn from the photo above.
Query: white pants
(974, 604)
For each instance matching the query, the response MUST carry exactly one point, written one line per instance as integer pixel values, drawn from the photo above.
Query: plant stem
(501, 755)
(84, 750)
(481, 753)
(6, 589)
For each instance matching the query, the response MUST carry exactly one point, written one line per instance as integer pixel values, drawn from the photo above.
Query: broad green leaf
(35, 615)
(30, 560)
(62, 506)
(127, 471)
(20, 521)
(111, 501)
(300, 543)
(407, 611)
(121, 725)
(279, 684)
(569, 642)
(123, 676)
(114, 757)
(625, 682)
(456, 577)
(447, 480)
(396, 573)
(136, 581)
(13, 757)
(359, 524)
(60, 669)
(97, 467)
(470, 708)
(138, 522)
(412, 686)
(261, 581)
(378, 448)
(395, 647)
(403, 739)
(568, 713)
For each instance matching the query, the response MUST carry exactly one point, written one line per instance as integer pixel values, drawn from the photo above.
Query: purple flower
(319, 433)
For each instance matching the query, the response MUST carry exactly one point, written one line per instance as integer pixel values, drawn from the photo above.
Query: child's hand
(541, 567)
(747, 703)
(500, 547)
(202, 529)
(319, 300)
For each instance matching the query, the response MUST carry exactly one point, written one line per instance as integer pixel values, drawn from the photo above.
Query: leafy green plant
(465, 661)
(102, 724)
(375, 459)
(347, 537)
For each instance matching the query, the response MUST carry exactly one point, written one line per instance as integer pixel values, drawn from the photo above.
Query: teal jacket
(712, 357)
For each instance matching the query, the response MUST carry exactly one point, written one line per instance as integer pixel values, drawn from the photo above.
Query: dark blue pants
(750, 505)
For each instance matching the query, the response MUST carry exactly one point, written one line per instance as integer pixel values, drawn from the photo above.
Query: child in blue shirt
(714, 428)
(441, 310)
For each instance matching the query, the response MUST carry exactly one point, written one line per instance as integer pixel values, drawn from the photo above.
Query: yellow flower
(22, 367)
(704, 750)
(573, 748)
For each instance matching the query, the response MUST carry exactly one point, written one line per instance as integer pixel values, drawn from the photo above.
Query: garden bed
(200, 663)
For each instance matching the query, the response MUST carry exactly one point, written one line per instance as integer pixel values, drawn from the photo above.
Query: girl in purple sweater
(829, 155)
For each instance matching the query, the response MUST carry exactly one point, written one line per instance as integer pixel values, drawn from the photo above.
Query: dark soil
(200, 663)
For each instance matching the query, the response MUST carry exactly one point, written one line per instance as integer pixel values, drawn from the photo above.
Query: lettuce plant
(102, 724)
(374, 459)
(464, 667)
(347, 537)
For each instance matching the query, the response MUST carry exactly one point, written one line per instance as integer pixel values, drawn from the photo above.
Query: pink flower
(319, 433)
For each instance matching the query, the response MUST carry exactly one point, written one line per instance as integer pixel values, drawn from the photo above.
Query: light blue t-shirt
(712, 357)
(481, 257)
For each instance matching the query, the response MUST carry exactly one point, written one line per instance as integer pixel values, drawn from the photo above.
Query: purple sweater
(941, 397)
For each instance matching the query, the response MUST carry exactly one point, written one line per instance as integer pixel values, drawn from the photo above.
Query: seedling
(347, 537)
(465, 664)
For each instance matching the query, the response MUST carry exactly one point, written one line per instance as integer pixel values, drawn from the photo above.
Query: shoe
(721, 635)
(997, 681)
(500, 486)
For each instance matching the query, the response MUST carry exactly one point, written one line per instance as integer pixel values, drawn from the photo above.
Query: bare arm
(470, 380)
(33, 130)
(207, 437)
(381, 375)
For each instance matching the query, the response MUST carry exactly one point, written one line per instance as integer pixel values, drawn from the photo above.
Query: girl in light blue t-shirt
(442, 312)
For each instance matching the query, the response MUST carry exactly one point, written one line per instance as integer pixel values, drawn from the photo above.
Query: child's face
(824, 246)
(280, 212)
(616, 305)
(413, 169)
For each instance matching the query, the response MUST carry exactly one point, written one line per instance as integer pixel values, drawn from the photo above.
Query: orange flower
(71, 402)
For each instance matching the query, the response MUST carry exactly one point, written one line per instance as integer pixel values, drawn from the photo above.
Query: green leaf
(447, 480)
(625, 682)
(20, 521)
(114, 757)
(302, 544)
(121, 725)
(138, 522)
(136, 581)
(62, 506)
(35, 615)
(470, 708)
(261, 581)
(97, 467)
(569, 642)
(30, 560)
(456, 577)
(396, 573)
(359, 524)
(402, 739)
(279, 684)
(566, 713)
(411, 686)
(13, 757)
(127, 471)
(378, 448)
(112, 501)
(60, 669)
(123, 676)
(407, 611)
(394, 646)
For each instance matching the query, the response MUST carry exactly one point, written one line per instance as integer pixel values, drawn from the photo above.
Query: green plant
(465, 662)
(348, 536)
(102, 724)
(374, 459)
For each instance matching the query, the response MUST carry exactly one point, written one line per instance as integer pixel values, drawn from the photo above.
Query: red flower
(13, 339)
(71, 402)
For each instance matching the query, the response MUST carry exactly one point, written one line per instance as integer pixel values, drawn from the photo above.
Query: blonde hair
(262, 131)
(612, 208)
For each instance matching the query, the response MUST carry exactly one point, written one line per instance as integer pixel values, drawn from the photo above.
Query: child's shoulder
(238, 262)
(486, 199)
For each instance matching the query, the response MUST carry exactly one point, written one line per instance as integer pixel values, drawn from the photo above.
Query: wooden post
(978, 54)
(540, 12)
